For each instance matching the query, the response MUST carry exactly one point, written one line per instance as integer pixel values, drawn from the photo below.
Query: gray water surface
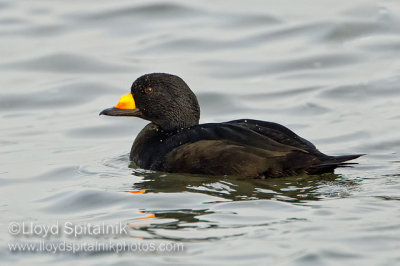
(329, 70)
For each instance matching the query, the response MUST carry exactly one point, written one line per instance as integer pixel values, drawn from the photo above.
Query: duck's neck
(178, 121)
(173, 127)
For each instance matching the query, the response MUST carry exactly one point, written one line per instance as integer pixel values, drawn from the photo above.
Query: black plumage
(174, 141)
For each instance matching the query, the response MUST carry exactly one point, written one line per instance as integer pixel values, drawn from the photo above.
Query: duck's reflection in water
(297, 190)
(292, 189)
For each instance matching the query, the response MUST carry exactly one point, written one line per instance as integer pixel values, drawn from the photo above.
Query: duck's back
(276, 132)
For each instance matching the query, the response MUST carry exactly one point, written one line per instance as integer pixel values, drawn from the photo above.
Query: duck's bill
(121, 112)
(125, 107)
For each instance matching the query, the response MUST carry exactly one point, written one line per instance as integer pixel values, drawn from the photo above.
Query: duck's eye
(148, 90)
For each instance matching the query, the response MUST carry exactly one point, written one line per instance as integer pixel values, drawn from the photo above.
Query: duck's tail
(333, 162)
(344, 158)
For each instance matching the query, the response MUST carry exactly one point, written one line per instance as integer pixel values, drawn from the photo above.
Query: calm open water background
(329, 70)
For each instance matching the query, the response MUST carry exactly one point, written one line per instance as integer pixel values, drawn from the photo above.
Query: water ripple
(66, 63)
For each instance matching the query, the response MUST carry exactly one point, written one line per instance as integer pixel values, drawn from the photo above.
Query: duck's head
(164, 99)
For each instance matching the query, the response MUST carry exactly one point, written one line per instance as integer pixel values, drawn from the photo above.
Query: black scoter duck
(174, 141)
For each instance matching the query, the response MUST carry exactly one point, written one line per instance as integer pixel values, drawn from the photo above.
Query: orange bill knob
(126, 102)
